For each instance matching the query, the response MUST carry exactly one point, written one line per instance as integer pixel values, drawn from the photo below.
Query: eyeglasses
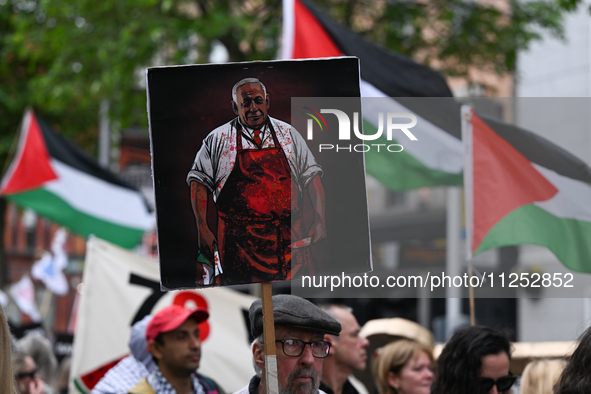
(503, 383)
(295, 347)
(31, 374)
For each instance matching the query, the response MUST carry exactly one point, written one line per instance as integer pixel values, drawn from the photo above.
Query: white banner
(119, 285)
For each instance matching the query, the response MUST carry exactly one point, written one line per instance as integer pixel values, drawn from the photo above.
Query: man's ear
(234, 107)
(258, 354)
(333, 343)
(268, 101)
(155, 349)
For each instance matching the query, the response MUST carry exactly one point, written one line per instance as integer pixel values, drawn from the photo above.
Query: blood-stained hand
(318, 230)
(206, 241)
(316, 191)
(199, 200)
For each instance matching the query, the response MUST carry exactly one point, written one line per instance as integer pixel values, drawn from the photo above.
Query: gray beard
(301, 388)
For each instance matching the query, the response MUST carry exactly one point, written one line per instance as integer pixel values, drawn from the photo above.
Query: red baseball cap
(171, 318)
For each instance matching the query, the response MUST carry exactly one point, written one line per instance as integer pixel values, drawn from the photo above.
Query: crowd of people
(318, 351)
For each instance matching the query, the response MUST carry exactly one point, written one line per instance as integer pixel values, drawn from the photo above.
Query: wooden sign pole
(269, 335)
(471, 293)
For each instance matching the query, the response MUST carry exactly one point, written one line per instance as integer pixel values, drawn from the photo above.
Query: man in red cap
(173, 340)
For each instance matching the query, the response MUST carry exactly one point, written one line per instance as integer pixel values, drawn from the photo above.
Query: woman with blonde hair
(540, 376)
(6, 376)
(404, 367)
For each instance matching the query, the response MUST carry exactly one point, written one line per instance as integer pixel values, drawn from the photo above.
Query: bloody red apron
(258, 208)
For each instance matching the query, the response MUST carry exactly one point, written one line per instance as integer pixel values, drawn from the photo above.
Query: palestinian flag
(522, 189)
(61, 182)
(436, 157)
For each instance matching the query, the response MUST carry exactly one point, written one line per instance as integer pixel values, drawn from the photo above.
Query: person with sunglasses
(474, 361)
(300, 327)
(26, 376)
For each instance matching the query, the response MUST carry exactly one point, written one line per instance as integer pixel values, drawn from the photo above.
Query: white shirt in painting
(215, 160)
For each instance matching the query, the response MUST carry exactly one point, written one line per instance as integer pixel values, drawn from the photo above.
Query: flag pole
(46, 303)
(269, 335)
(104, 148)
(471, 295)
(14, 145)
(453, 295)
(466, 117)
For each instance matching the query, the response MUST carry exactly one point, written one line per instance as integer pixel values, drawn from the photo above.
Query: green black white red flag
(436, 158)
(522, 189)
(62, 183)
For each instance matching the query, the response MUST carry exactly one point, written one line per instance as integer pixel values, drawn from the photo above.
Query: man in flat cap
(299, 335)
(173, 340)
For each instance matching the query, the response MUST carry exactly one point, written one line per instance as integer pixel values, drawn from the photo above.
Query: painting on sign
(242, 196)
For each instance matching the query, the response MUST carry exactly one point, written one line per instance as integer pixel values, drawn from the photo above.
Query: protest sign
(242, 196)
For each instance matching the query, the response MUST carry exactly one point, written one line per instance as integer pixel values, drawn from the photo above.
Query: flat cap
(296, 312)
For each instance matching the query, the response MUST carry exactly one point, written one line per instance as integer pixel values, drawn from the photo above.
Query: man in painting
(248, 183)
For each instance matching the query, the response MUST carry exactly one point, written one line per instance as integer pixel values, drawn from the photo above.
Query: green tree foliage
(452, 35)
(63, 57)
